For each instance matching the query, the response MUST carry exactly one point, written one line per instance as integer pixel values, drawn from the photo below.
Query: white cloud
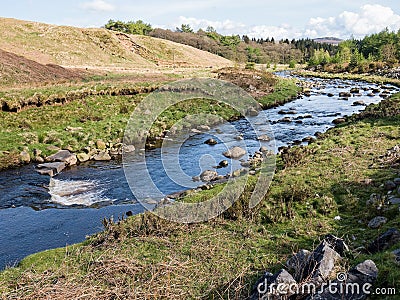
(223, 27)
(370, 18)
(98, 5)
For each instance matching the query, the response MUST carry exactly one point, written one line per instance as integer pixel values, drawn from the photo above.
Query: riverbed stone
(211, 142)
(359, 103)
(344, 94)
(82, 157)
(377, 222)
(252, 112)
(102, 156)
(51, 169)
(208, 175)
(24, 157)
(263, 149)
(390, 185)
(127, 149)
(235, 152)
(203, 127)
(264, 138)
(63, 156)
(223, 163)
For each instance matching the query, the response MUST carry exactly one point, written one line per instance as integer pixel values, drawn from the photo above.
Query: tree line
(352, 55)
(373, 52)
(233, 47)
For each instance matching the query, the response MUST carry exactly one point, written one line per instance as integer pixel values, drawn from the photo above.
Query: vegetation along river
(38, 213)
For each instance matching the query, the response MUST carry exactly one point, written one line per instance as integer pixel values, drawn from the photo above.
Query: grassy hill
(96, 47)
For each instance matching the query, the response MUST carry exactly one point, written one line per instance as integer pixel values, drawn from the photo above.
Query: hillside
(96, 47)
(18, 69)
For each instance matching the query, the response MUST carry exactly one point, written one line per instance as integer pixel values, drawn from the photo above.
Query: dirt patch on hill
(256, 83)
(15, 69)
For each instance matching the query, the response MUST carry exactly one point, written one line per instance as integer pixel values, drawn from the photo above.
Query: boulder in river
(359, 103)
(51, 169)
(285, 120)
(235, 152)
(287, 112)
(63, 156)
(211, 142)
(223, 163)
(264, 138)
(344, 94)
(102, 156)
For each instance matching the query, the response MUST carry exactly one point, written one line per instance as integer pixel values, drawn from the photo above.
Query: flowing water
(39, 213)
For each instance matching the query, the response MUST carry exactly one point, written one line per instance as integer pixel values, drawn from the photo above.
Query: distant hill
(328, 40)
(97, 47)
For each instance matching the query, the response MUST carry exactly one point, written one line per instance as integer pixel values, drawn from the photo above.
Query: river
(37, 213)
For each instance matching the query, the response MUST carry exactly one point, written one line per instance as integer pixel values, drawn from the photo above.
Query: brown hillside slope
(97, 47)
(17, 69)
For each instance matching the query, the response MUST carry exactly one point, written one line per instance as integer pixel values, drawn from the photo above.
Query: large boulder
(63, 156)
(354, 285)
(235, 152)
(50, 169)
(208, 175)
(102, 156)
(321, 263)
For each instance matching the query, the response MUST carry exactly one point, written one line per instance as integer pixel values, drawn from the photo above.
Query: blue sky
(256, 18)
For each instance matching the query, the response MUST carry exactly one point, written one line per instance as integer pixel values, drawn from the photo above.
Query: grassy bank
(144, 257)
(73, 118)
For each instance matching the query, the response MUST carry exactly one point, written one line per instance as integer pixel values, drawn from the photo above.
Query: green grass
(145, 257)
(98, 113)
